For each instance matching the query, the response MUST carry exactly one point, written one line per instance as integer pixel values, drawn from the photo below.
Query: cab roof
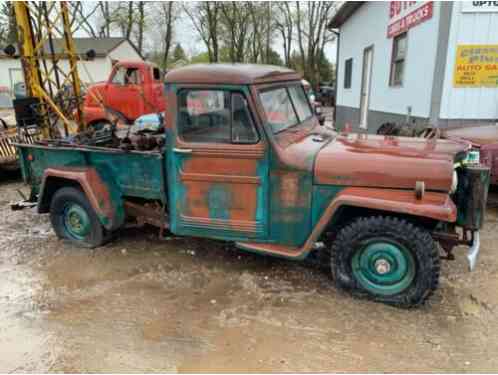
(231, 74)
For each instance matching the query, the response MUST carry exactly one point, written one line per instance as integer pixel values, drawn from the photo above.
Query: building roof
(345, 11)
(101, 46)
(231, 74)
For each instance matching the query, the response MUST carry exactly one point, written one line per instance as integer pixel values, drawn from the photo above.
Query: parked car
(326, 96)
(483, 138)
(134, 88)
(243, 159)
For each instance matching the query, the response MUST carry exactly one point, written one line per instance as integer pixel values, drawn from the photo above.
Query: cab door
(125, 92)
(218, 166)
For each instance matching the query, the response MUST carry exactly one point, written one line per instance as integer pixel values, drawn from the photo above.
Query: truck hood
(387, 162)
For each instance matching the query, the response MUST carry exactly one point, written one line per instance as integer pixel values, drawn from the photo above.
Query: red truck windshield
(285, 107)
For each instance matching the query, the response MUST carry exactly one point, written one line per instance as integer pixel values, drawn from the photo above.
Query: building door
(366, 79)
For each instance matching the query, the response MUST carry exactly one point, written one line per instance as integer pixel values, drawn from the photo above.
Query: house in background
(434, 63)
(107, 50)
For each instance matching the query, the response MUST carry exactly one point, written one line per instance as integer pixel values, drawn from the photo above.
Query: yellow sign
(476, 66)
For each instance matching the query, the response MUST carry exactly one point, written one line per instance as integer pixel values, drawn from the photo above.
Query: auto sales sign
(403, 15)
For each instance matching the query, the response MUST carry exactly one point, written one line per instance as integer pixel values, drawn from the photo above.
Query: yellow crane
(50, 64)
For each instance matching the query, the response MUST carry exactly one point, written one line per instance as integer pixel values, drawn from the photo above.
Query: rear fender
(104, 196)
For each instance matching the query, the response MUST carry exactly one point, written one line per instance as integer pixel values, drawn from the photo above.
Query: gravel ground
(141, 304)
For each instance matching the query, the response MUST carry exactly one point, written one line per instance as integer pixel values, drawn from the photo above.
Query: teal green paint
(219, 200)
(76, 221)
(323, 195)
(397, 275)
(219, 197)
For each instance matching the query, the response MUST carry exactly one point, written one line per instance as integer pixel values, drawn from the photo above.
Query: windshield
(285, 107)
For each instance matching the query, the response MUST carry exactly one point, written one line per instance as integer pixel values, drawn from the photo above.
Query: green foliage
(274, 58)
(179, 54)
(201, 58)
(326, 68)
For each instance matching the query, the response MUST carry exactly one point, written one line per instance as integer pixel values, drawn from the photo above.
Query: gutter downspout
(338, 38)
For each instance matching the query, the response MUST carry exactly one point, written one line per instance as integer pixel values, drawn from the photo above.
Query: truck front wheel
(387, 259)
(74, 219)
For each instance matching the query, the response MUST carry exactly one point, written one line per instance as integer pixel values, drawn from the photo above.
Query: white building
(426, 62)
(98, 69)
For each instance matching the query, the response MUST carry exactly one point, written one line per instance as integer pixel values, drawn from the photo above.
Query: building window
(348, 73)
(398, 60)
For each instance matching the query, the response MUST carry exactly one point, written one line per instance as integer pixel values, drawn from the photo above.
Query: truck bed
(136, 173)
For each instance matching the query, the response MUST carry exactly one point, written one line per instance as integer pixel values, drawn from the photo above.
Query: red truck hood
(388, 162)
(478, 135)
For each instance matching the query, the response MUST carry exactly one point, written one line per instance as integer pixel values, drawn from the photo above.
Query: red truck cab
(134, 88)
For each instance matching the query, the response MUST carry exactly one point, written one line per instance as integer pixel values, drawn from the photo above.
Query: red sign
(405, 15)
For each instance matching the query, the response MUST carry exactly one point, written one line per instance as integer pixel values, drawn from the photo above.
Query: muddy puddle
(141, 304)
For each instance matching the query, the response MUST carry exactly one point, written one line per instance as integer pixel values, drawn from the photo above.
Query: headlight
(454, 182)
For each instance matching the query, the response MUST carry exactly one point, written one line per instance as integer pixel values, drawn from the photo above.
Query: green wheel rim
(383, 267)
(76, 221)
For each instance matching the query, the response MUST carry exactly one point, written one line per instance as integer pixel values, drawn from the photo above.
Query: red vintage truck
(134, 88)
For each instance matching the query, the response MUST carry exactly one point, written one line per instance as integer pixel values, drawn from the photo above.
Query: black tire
(354, 239)
(94, 234)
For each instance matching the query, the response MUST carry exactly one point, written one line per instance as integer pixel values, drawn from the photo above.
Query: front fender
(103, 195)
(434, 205)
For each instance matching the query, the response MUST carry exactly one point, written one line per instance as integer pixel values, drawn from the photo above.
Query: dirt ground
(141, 304)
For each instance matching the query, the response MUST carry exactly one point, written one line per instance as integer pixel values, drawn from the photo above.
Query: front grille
(471, 195)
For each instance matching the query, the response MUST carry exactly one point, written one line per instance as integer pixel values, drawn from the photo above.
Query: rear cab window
(285, 107)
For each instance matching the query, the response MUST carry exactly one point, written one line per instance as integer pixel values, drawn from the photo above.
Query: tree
(205, 17)
(179, 53)
(163, 18)
(274, 58)
(8, 29)
(284, 24)
(313, 35)
(325, 68)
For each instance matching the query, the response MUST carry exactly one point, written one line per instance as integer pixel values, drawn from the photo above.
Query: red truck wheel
(387, 259)
(74, 219)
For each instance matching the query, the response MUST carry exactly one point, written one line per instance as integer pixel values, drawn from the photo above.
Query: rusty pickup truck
(243, 158)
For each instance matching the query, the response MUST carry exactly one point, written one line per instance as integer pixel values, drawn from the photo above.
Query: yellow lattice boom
(49, 61)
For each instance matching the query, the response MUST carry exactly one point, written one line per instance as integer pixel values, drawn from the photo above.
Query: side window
(348, 73)
(119, 77)
(214, 116)
(133, 77)
(243, 130)
(156, 74)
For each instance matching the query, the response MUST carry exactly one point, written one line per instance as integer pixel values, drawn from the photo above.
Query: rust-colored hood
(478, 135)
(389, 162)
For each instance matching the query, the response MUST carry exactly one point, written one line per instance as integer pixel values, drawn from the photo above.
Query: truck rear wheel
(387, 259)
(74, 219)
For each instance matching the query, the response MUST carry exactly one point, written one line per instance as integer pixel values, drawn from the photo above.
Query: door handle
(182, 150)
